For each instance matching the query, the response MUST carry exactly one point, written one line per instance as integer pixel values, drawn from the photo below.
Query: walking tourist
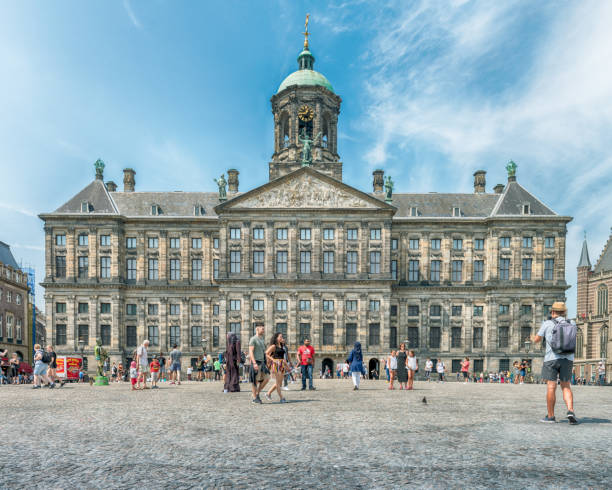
(392, 363)
(355, 361)
(134, 375)
(52, 371)
(275, 355)
(601, 372)
(162, 367)
(412, 368)
(175, 365)
(41, 365)
(522, 372)
(345, 370)
(5, 366)
(440, 368)
(428, 369)
(14, 368)
(143, 364)
(155, 366)
(232, 361)
(465, 369)
(305, 356)
(217, 369)
(114, 372)
(402, 363)
(259, 373)
(120, 372)
(557, 365)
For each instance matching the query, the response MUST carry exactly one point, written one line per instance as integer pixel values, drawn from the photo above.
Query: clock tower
(305, 110)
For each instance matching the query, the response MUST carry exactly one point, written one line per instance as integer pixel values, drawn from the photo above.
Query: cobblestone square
(193, 435)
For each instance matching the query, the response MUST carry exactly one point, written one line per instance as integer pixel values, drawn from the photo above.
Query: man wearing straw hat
(556, 365)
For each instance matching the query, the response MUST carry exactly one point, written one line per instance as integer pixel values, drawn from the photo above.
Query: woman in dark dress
(232, 359)
(402, 372)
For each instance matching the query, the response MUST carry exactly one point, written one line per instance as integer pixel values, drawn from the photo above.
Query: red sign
(61, 366)
(68, 367)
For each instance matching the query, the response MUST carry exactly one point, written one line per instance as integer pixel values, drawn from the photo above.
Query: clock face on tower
(306, 113)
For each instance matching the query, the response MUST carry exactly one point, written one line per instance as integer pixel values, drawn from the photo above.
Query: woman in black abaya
(232, 361)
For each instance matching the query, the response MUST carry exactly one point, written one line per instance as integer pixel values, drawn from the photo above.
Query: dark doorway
(373, 369)
(327, 364)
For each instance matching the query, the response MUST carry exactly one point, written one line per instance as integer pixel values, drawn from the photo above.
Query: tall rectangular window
(394, 270)
(130, 243)
(503, 337)
(352, 234)
(282, 328)
(281, 233)
(549, 267)
(153, 334)
(375, 234)
(175, 242)
(328, 305)
(414, 244)
(105, 334)
(304, 332)
(526, 270)
(456, 310)
(130, 336)
(130, 269)
(215, 339)
(549, 242)
(175, 335)
(479, 244)
(351, 262)
(504, 309)
(477, 338)
(328, 262)
(215, 310)
(457, 270)
(305, 262)
(374, 305)
(83, 334)
(234, 327)
(478, 270)
(374, 334)
(258, 262)
(234, 233)
(413, 338)
(175, 309)
(83, 266)
(258, 305)
(83, 240)
(60, 307)
(131, 309)
(525, 335)
(235, 262)
(413, 310)
(281, 262)
(351, 333)
(434, 337)
(504, 269)
(392, 337)
(152, 309)
(83, 308)
(153, 272)
(455, 337)
(105, 240)
(60, 240)
(281, 305)
(258, 233)
(504, 242)
(196, 336)
(435, 243)
(527, 242)
(457, 244)
(351, 305)
(105, 308)
(504, 364)
(374, 262)
(60, 266)
(216, 243)
(196, 269)
(60, 334)
(153, 242)
(478, 310)
(196, 309)
(304, 233)
(235, 305)
(434, 273)
(328, 334)
(394, 244)
(328, 234)
(435, 310)
(196, 243)
(175, 269)
(215, 268)
(413, 270)
(304, 305)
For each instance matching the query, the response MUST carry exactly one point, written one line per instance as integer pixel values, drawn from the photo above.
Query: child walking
(412, 367)
(155, 367)
(133, 375)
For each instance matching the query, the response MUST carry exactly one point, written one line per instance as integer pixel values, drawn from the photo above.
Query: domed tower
(305, 110)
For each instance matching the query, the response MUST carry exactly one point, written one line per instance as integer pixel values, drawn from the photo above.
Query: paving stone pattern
(195, 436)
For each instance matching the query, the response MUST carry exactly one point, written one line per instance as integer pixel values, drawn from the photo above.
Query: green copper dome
(305, 75)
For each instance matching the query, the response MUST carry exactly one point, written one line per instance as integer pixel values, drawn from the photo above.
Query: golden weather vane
(306, 33)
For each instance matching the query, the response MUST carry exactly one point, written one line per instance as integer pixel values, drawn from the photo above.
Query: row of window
(15, 276)
(9, 297)
(13, 329)
(350, 334)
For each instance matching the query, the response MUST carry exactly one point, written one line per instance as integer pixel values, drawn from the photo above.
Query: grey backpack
(563, 337)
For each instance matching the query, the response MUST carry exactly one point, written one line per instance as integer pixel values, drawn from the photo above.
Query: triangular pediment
(305, 189)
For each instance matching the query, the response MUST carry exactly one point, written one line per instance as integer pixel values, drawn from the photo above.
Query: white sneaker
(268, 397)
(285, 388)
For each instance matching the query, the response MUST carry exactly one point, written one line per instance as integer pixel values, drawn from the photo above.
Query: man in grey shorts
(556, 366)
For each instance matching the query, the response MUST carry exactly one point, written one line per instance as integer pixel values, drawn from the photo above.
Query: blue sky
(431, 92)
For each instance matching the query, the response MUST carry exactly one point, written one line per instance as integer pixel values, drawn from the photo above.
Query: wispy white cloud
(128, 8)
(15, 208)
(38, 248)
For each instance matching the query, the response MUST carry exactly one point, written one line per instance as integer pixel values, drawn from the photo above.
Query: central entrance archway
(327, 364)
(373, 369)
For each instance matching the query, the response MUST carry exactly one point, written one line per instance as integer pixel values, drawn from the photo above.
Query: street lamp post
(527, 346)
(82, 349)
(204, 342)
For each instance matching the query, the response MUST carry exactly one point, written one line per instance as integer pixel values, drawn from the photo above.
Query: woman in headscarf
(355, 362)
(232, 360)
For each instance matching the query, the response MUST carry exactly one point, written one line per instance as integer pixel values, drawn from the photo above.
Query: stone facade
(14, 327)
(593, 315)
(452, 274)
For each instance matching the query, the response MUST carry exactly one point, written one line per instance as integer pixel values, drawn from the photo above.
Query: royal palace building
(449, 274)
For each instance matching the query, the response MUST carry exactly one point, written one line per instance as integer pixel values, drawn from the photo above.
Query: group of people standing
(402, 366)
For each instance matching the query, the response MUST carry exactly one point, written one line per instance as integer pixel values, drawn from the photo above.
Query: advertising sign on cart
(68, 367)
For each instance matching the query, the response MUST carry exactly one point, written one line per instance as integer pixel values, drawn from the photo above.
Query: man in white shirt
(142, 359)
(428, 368)
(440, 368)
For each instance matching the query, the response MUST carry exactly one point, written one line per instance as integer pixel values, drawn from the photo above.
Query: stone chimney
(480, 181)
(111, 186)
(232, 181)
(498, 189)
(378, 180)
(129, 182)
